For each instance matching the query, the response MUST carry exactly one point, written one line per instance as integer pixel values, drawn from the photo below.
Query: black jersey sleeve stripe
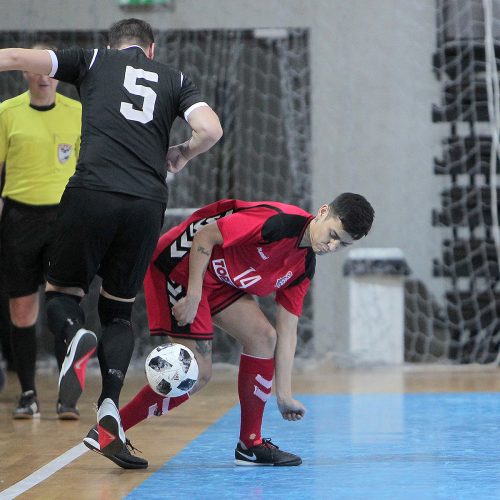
(282, 226)
(310, 269)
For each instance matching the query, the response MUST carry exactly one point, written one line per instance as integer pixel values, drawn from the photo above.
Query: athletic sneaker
(109, 428)
(27, 406)
(67, 412)
(72, 377)
(265, 453)
(124, 459)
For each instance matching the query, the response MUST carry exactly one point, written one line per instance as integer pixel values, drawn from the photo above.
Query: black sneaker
(91, 440)
(265, 453)
(27, 406)
(74, 367)
(109, 428)
(124, 458)
(67, 412)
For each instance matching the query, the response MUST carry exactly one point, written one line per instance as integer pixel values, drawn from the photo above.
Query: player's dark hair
(133, 31)
(355, 213)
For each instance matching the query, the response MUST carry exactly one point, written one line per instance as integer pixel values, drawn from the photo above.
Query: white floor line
(43, 473)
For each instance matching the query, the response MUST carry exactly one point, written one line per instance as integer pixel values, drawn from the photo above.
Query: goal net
(258, 82)
(465, 326)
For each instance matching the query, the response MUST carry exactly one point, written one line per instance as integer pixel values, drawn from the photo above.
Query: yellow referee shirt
(39, 148)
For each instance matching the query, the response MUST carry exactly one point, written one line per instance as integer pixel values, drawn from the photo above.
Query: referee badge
(64, 152)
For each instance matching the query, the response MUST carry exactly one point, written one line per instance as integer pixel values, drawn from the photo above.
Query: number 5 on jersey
(126, 109)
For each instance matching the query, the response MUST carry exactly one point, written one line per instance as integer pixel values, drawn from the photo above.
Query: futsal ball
(171, 370)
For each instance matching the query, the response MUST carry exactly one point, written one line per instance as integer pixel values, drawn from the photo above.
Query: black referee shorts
(109, 234)
(26, 235)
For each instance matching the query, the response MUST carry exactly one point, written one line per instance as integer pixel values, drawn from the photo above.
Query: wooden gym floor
(27, 446)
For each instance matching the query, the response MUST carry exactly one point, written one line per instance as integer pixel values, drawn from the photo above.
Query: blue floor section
(377, 446)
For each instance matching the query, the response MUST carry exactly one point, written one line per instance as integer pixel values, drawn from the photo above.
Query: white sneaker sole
(83, 344)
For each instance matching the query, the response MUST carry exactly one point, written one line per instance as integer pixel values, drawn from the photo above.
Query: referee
(39, 144)
(112, 210)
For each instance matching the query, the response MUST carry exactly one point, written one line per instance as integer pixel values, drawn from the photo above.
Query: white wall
(372, 90)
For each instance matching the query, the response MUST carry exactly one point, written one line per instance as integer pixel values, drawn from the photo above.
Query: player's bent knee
(24, 321)
(111, 311)
(267, 338)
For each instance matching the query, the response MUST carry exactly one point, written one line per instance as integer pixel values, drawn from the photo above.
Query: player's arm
(32, 60)
(286, 329)
(199, 256)
(206, 131)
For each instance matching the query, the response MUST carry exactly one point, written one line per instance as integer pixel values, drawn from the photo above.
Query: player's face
(327, 234)
(41, 87)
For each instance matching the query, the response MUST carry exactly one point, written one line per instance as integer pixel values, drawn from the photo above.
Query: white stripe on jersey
(55, 63)
(93, 58)
(182, 79)
(192, 108)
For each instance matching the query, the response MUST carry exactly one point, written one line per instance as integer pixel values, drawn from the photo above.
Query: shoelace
(131, 447)
(128, 444)
(267, 443)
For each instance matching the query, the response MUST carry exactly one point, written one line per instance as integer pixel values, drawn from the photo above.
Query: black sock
(114, 352)
(60, 350)
(23, 342)
(5, 327)
(64, 317)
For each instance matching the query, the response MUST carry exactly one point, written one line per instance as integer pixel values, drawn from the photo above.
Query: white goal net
(465, 326)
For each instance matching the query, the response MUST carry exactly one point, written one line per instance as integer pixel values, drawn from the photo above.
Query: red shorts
(162, 293)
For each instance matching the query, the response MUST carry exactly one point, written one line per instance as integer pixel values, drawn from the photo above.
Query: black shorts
(26, 234)
(109, 234)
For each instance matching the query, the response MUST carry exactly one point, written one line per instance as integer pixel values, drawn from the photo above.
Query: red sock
(254, 388)
(147, 403)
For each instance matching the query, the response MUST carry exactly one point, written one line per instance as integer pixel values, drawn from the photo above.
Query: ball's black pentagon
(164, 387)
(185, 359)
(158, 364)
(186, 384)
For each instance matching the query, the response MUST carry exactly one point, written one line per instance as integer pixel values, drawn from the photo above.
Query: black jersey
(129, 105)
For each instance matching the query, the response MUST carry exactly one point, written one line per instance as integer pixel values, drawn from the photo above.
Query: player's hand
(291, 409)
(185, 310)
(176, 161)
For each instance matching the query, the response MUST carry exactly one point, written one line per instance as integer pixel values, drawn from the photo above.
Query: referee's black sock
(23, 342)
(64, 318)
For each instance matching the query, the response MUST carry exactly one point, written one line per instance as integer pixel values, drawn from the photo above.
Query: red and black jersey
(260, 254)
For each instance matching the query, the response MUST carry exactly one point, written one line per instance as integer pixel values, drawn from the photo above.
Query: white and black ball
(171, 370)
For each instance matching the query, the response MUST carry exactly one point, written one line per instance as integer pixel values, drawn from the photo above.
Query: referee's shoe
(74, 367)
